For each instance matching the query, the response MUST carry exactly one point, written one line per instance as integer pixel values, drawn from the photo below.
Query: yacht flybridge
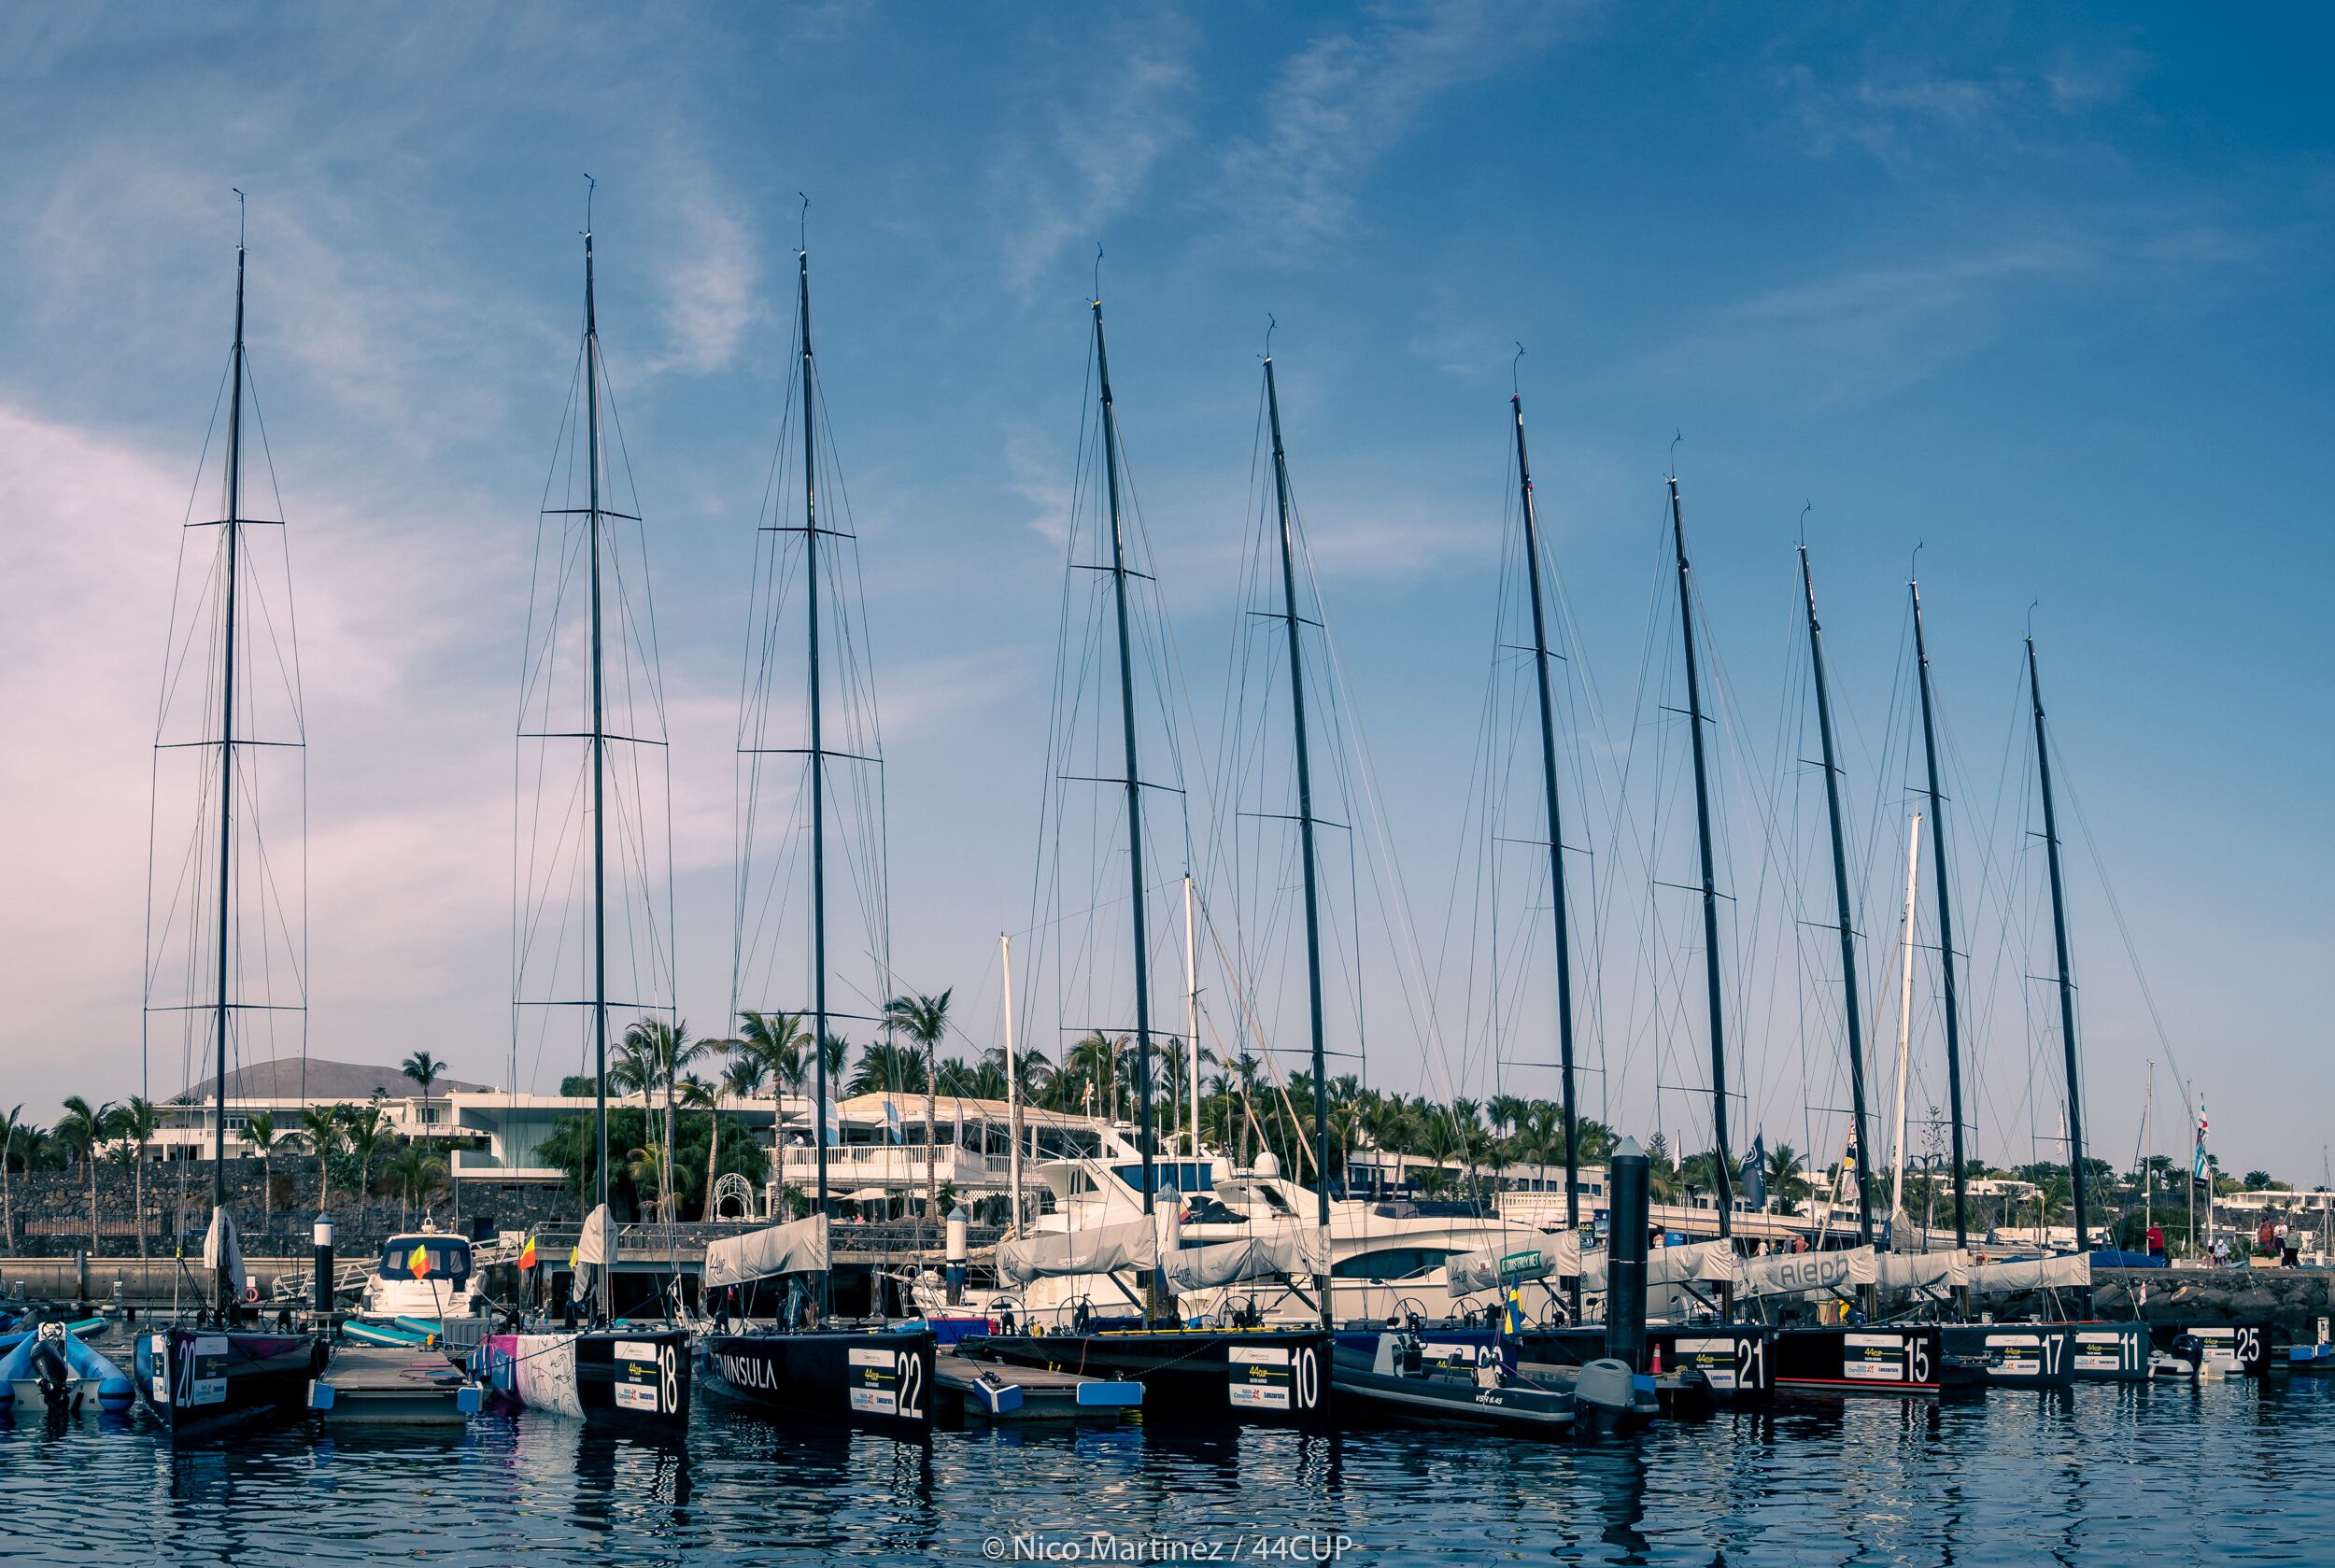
(1237, 1244)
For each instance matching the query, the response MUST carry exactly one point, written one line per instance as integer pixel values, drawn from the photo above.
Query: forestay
(1553, 1256)
(2034, 1273)
(1303, 1250)
(797, 1246)
(1799, 1273)
(1101, 1250)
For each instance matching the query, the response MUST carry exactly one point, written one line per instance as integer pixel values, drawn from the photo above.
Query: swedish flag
(1512, 1319)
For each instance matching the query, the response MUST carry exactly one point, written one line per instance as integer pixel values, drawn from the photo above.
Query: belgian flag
(526, 1255)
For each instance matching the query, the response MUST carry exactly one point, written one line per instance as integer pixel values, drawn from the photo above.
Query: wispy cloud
(1912, 116)
(1059, 186)
(708, 274)
(1040, 477)
(1345, 100)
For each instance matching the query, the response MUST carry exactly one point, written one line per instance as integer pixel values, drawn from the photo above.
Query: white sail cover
(1558, 1256)
(594, 1250)
(2034, 1273)
(1298, 1251)
(797, 1246)
(1702, 1263)
(1924, 1271)
(222, 1254)
(1101, 1250)
(1799, 1273)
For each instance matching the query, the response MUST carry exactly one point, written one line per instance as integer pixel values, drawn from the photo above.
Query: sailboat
(209, 1369)
(612, 1369)
(1866, 1357)
(1210, 1370)
(2096, 1350)
(802, 1364)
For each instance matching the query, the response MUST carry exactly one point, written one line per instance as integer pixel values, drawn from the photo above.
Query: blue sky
(2041, 290)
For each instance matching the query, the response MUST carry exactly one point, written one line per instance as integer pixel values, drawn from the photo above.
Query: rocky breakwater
(2292, 1299)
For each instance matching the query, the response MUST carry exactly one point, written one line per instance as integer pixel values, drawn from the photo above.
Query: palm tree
(415, 1172)
(646, 1166)
(1439, 1139)
(320, 1129)
(1662, 1175)
(138, 1122)
(10, 1123)
(924, 1020)
(363, 1128)
(1785, 1179)
(1092, 1069)
(655, 1051)
(261, 1134)
(780, 1043)
(885, 1068)
(82, 1128)
(1699, 1173)
(425, 1070)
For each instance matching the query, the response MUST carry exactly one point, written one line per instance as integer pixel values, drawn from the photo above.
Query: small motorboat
(52, 1370)
(2184, 1360)
(1454, 1377)
(427, 1275)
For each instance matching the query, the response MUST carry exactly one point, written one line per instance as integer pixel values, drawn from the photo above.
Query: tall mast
(1556, 834)
(1013, 1087)
(1135, 795)
(1192, 1012)
(600, 771)
(818, 752)
(1725, 1159)
(227, 753)
(2059, 938)
(1945, 934)
(1840, 893)
(1305, 829)
(1905, 1026)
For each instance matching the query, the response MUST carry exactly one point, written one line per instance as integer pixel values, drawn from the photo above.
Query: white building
(878, 1151)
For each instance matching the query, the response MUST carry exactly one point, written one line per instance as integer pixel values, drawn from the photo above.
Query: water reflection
(2230, 1469)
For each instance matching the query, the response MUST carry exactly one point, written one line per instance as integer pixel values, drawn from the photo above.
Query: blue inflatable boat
(44, 1372)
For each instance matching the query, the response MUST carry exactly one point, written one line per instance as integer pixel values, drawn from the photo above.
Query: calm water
(2233, 1472)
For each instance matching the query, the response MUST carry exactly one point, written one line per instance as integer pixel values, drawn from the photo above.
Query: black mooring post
(1625, 1256)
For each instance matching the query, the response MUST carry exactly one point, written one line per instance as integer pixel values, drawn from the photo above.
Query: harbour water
(2236, 1471)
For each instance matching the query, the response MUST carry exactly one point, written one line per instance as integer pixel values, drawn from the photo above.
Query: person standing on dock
(2155, 1241)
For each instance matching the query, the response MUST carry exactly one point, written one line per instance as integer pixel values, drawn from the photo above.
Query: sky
(2039, 292)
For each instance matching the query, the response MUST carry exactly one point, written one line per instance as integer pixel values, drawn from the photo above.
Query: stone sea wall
(49, 1211)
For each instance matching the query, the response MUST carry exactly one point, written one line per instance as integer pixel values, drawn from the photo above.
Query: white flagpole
(1013, 1087)
(1192, 1012)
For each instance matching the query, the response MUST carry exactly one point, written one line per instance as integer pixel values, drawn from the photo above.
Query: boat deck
(998, 1391)
(391, 1386)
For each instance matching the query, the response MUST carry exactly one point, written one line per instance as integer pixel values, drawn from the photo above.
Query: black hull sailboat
(879, 1378)
(630, 1377)
(635, 1374)
(200, 1380)
(211, 1373)
(1264, 1374)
